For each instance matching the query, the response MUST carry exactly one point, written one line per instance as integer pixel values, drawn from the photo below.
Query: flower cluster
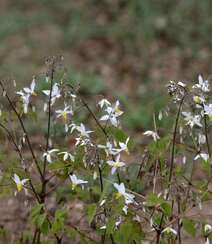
(90, 161)
(111, 149)
(25, 95)
(112, 112)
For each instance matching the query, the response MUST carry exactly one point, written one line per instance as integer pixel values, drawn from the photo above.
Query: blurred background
(125, 49)
(119, 48)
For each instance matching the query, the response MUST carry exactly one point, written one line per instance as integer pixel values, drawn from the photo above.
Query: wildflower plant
(129, 194)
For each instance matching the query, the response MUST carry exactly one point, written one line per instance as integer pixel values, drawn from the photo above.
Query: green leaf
(91, 211)
(56, 165)
(158, 148)
(58, 224)
(153, 200)
(111, 224)
(40, 219)
(45, 227)
(118, 133)
(71, 233)
(116, 211)
(189, 227)
(35, 212)
(128, 232)
(167, 209)
(79, 155)
(210, 237)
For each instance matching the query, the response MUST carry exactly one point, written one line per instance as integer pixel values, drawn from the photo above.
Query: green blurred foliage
(139, 35)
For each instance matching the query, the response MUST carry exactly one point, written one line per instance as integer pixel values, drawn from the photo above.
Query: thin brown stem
(49, 116)
(102, 129)
(206, 135)
(44, 181)
(85, 236)
(10, 136)
(35, 236)
(208, 146)
(23, 128)
(94, 117)
(178, 221)
(173, 146)
(171, 166)
(102, 189)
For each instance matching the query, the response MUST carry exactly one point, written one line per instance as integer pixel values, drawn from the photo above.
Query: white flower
(48, 154)
(125, 209)
(83, 141)
(45, 107)
(153, 134)
(207, 241)
(124, 146)
(73, 96)
(76, 181)
(25, 100)
(129, 198)
(25, 95)
(95, 175)
(112, 119)
(208, 228)
(112, 114)
(160, 115)
(118, 222)
(117, 110)
(104, 102)
(31, 90)
(66, 156)
(102, 202)
(137, 218)
(192, 119)
(47, 79)
(81, 129)
(103, 227)
(114, 109)
(64, 112)
(169, 230)
(180, 83)
(115, 164)
(202, 84)
(208, 110)
(55, 93)
(201, 139)
(184, 159)
(66, 127)
(19, 183)
(109, 150)
(198, 99)
(204, 156)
